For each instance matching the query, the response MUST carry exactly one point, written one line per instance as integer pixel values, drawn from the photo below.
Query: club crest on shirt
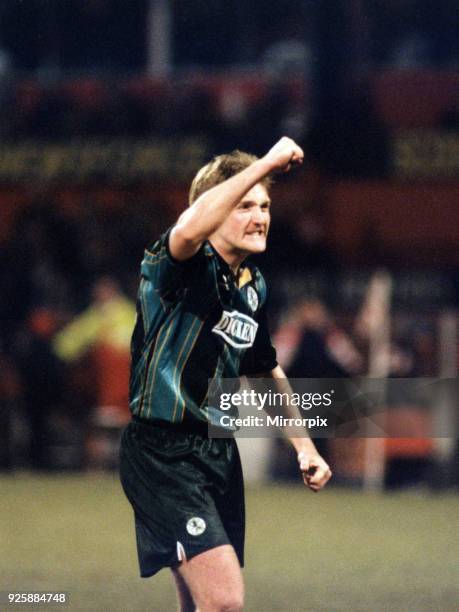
(252, 298)
(238, 330)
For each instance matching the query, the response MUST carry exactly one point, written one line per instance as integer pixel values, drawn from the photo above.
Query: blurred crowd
(68, 307)
(355, 138)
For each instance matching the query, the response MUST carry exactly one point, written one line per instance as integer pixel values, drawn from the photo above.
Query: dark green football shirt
(194, 324)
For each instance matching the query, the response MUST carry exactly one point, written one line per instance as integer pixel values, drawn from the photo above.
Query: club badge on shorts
(196, 526)
(252, 297)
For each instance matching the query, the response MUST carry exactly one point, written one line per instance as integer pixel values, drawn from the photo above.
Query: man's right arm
(211, 209)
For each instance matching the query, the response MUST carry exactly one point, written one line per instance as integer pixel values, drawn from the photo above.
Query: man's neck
(234, 259)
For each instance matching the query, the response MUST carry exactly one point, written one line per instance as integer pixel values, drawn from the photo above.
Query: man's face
(246, 228)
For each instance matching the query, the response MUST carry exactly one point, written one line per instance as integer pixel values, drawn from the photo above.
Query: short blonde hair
(221, 168)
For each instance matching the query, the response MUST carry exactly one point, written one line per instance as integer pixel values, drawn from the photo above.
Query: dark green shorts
(186, 491)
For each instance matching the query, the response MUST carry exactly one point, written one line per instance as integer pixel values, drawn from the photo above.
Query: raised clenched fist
(284, 155)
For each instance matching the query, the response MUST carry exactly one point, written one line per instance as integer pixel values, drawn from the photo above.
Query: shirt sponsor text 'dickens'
(237, 329)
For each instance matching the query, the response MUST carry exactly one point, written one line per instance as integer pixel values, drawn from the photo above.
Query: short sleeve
(261, 357)
(166, 274)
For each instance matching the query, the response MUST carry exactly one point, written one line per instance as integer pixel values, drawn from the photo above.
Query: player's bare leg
(214, 579)
(185, 600)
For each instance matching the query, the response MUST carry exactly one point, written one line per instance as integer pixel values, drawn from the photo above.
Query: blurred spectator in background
(408, 460)
(323, 349)
(102, 333)
(42, 383)
(310, 344)
(104, 329)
